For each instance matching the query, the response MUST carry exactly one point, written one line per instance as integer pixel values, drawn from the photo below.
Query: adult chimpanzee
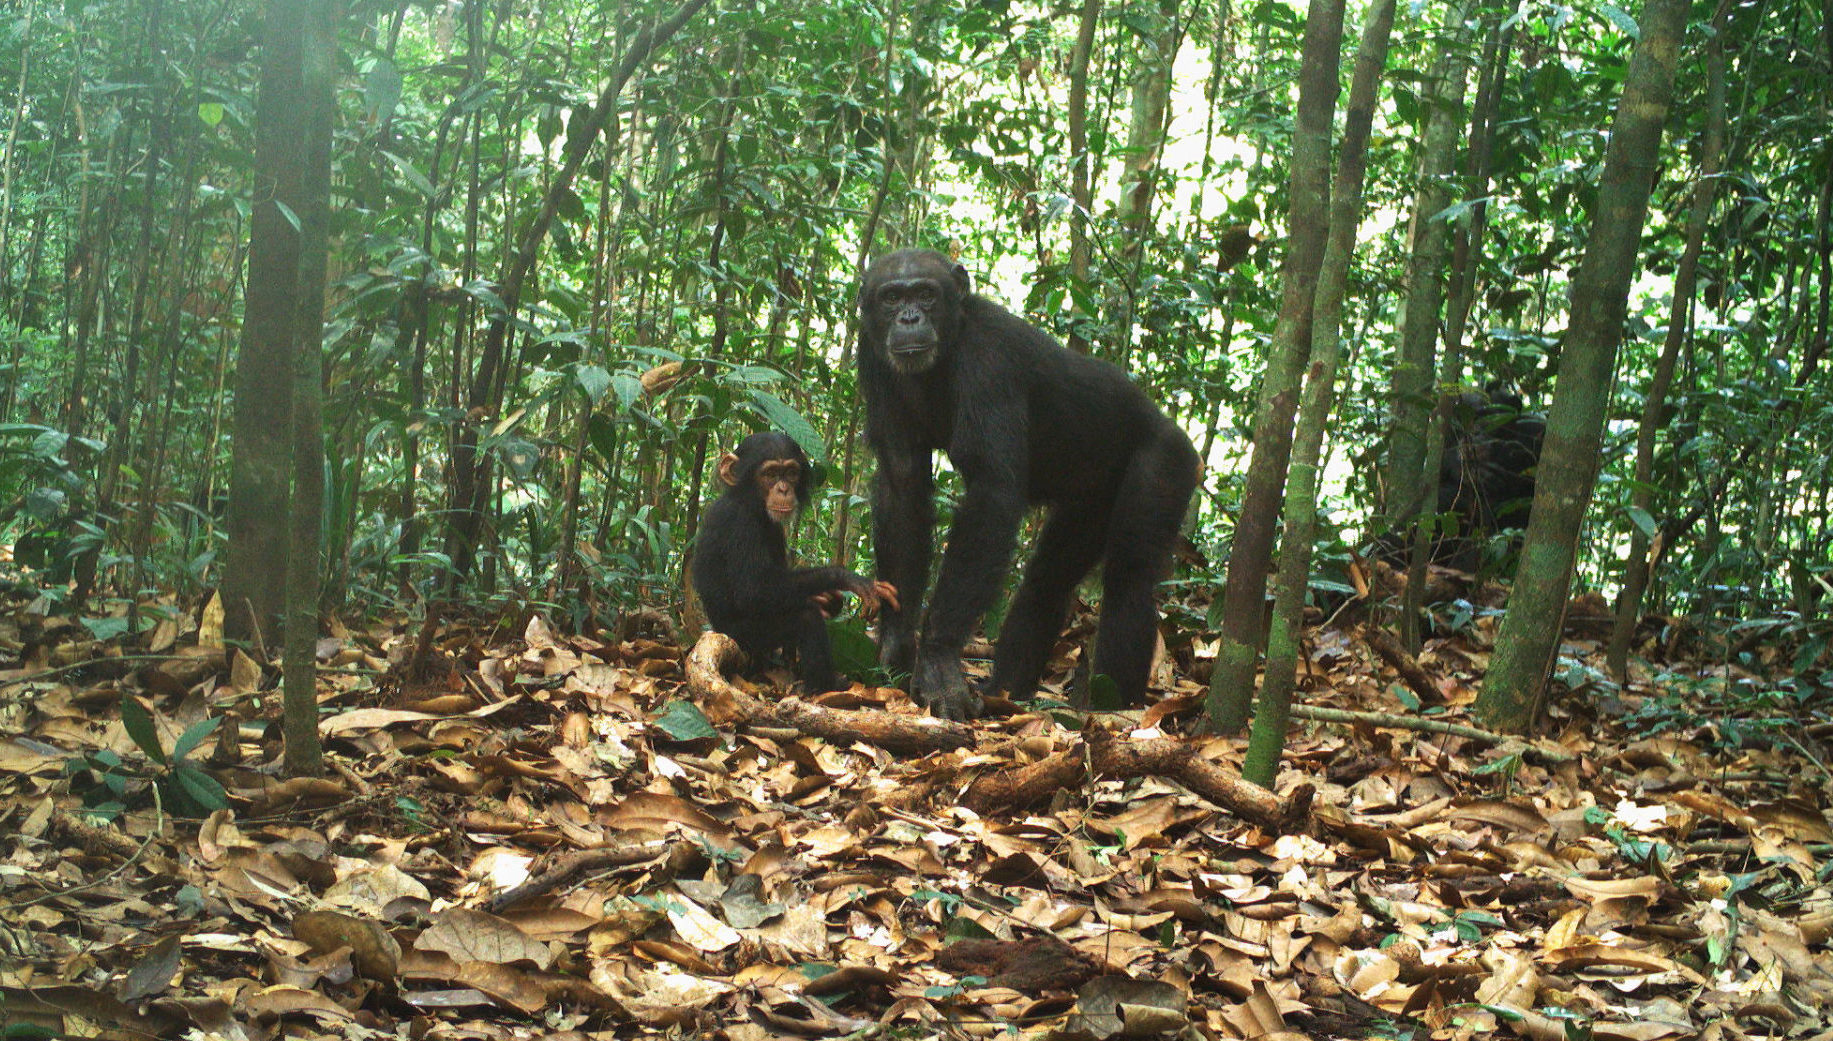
(741, 561)
(1025, 421)
(1486, 476)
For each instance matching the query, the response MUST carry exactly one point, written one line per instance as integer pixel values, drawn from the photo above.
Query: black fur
(1486, 477)
(1026, 422)
(742, 572)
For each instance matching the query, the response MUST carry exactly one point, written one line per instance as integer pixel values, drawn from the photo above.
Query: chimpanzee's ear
(962, 282)
(728, 469)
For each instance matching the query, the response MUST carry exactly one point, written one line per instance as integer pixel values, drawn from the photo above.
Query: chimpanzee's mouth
(910, 359)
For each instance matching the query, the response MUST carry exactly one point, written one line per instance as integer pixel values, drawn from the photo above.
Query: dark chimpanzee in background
(741, 562)
(1486, 477)
(1025, 421)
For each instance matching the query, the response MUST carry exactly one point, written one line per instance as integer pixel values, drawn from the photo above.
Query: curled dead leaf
(1119, 1006)
(469, 935)
(373, 953)
(659, 379)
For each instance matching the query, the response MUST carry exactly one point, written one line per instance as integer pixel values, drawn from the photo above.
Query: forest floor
(526, 834)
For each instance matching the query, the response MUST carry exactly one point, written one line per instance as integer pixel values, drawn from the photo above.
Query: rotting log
(716, 654)
(1116, 755)
(1411, 672)
(1008, 790)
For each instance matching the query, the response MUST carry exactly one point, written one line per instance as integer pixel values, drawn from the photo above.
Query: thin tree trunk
(1081, 189)
(471, 480)
(1416, 444)
(254, 585)
(722, 319)
(1149, 121)
(305, 515)
(1654, 403)
(8, 166)
(1231, 689)
(1273, 710)
(1511, 694)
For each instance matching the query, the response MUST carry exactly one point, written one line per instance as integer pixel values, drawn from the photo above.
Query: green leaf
(1621, 20)
(49, 445)
(139, 724)
(106, 628)
(211, 112)
(194, 736)
(601, 431)
(683, 721)
(201, 789)
(287, 212)
(1103, 693)
(961, 928)
(1642, 520)
(629, 388)
(381, 90)
(853, 650)
(780, 416)
(411, 175)
(594, 380)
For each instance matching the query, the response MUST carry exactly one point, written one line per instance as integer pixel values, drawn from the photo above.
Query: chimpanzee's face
(770, 470)
(777, 481)
(911, 307)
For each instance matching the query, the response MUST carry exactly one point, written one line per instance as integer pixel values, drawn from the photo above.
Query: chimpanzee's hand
(940, 686)
(871, 594)
(827, 603)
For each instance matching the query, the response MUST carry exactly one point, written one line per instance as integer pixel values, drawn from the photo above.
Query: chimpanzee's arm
(992, 454)
(806, 582)
(903, 536)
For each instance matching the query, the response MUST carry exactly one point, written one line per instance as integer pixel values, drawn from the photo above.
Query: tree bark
(1272, 711)
(1081, 188)
(1416, 444)
(470, 471)
(1512, 691)
(1637, 562)
(260, 474)
(1231, 689)
(304, 516)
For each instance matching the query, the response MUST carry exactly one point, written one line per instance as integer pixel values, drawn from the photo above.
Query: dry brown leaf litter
(510, 846)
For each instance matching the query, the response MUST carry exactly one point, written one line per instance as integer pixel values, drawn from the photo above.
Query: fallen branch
(1114, 755)
(716, 654)
(1383, 719)
(568, 867)
(1008, 790)
(1536, 752)
(1411, 673)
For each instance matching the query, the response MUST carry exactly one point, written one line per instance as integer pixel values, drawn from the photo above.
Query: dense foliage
(697, 280)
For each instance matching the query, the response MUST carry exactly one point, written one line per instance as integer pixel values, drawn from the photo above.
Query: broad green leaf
(193, 736)
(1621, 20)
(594, 380)
(601, 432)
(853, 650)
(50, 444)
(106, 628)
(381, 90)
(780, 416)
(411, 175)
(139, 724)
(200, 788)
(211, 112)
(683, 721)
